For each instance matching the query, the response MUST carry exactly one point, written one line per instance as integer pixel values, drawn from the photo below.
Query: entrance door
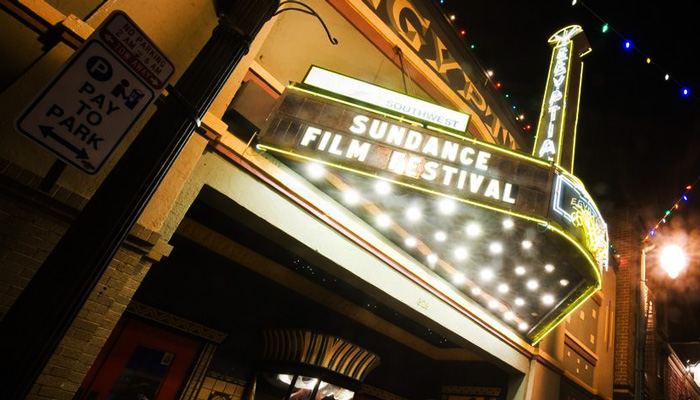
(140, 362)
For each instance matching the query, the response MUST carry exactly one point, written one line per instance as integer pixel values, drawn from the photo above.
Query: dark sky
(638, 138)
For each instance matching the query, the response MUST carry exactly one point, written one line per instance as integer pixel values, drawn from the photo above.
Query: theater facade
(358, 216)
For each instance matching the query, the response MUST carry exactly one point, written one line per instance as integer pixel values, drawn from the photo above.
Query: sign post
(100, 93)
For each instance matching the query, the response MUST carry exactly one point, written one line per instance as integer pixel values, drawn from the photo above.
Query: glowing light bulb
(452, 17)
(508, 223)
(532, 284)
(685, 92)
(383, 221)
(564, 282)
(413, 213)
(440, 236)
(493, 304)
(508, 316)
(382, 187)
(627, 44)
(489, 73)
(351, 197)
(496, 248)
(605, 28)
(432, 258)
(503, 288)
(522, 326)
(410, 242)
(473, 229)
(462, 32)
(486, 274)
(315, 171)
(548, 299)
(666, 77)
(458, 278)
(447, 206)
(519, 302)
(476, 291)
(520, 270)
(648, 60)
(549, 267)
(461, 254)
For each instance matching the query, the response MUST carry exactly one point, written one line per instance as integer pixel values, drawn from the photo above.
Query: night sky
(638, 142)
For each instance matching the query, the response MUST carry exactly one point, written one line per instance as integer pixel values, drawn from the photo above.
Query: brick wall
(31, 223)
(625, 237)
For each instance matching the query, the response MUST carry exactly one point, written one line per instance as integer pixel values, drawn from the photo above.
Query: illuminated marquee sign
(504, 199)
(556, 132)
(573, 207)
(386, 99)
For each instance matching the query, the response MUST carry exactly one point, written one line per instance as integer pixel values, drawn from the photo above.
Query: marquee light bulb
(440, 236)
(461, 254)
(351, 197)
(486, 274)
(527, 245)
(410, 242)
(522, 326)
(473, 229)
(447, 206)
(493, 304)
(564, 282)
(532, 284)
(476, 291)
(458, 278)
(520, 270)
(519, 302)
(508, 316)
(432, 259)
(549, 268)
(413, 213)
(383, 221)
(315, 171)
(503, 288)
(548, 299)
(508, 223)
(382, 187)
(496, 248)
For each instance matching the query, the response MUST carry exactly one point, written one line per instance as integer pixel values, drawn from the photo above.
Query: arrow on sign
(47, 131)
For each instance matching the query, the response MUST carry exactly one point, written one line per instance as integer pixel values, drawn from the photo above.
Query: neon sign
(557, 126)
(572, 202)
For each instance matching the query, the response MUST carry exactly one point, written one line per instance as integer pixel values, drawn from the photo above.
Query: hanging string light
(628, 46)
(668, 213)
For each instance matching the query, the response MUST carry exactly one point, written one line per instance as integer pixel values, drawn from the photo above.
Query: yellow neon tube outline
(578, 106)
(544, 101)
(564, 103)
(539, 333)
(456, 135)
(547, 224)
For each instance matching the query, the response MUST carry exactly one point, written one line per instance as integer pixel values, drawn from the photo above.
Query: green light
(473, 46)
(507, 95)
(668, 212)
(605, 28)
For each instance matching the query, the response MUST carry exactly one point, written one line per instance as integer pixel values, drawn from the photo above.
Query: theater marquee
(508, 241)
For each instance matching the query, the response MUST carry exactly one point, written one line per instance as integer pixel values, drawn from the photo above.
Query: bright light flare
(673, 260)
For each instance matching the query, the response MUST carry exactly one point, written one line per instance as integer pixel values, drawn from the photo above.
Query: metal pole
(40, 317)
(640, 334)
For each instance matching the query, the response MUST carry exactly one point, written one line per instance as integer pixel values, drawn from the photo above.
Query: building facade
(247, 277)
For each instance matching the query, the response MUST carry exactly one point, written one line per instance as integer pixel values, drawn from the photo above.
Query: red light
(527, 127)
(462, 32)
(498, 84)
(688, 187)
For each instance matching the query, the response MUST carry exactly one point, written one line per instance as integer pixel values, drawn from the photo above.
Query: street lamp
(673, 260)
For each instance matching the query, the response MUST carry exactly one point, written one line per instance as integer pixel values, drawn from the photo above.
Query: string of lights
(668, 213)
(628, 46)
(605, 27)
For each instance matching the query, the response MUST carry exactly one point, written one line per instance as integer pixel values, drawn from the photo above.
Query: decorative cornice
(175, 322)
